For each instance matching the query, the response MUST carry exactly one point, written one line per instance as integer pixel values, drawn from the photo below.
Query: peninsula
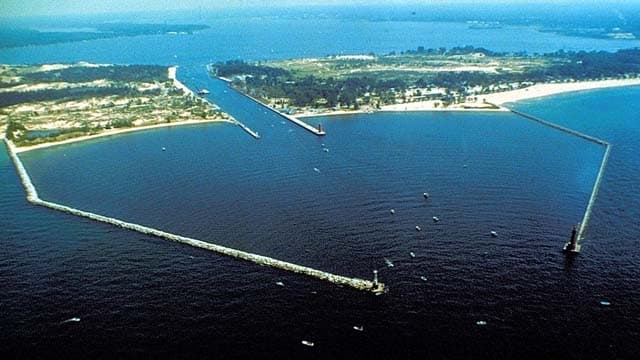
(457, 79)
(83, 31)
(45, 105)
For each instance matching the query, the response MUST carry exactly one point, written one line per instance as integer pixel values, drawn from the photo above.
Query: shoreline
(171, 73)
(549, 89)
(113, 132)
(498, 99)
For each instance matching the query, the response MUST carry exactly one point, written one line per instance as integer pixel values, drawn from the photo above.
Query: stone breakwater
(594, 193)
(603, 165)
(32, 197)
(304, 125)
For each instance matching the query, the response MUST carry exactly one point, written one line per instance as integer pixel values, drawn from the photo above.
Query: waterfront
(141, 296)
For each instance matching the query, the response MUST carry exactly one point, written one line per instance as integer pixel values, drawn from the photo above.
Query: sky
(12, 8)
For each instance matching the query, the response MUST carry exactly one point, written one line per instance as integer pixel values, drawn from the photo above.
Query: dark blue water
(141, 296)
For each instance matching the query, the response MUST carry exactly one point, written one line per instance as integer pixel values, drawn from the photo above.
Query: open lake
(284, 196)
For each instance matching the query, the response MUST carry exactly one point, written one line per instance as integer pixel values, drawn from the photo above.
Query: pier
(594, 193)
(561, 128)
(304, 125)
(32, 196)
(596, 186)
(178, 84)
(247, 129)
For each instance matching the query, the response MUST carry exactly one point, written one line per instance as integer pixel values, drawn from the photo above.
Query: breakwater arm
(561, 128)
(594, 193)
(603, 164)
(172, 71)
(32, 197)
(294, 120)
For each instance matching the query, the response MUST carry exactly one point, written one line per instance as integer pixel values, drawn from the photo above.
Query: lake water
(142, 296)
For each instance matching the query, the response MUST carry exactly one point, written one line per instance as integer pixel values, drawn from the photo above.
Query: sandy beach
(542, 90)
(436, 105)
(501, 98)
(113, 132)
(177, 83)
(331, 113)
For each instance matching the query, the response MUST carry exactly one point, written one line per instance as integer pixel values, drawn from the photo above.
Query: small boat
(412, 254)
(605, 303)
(316, 170)
(388, 262)
(164, 148)
(203, 92)
(307, 343)
(358, 328)
(425, 195)
(423, 278)
(436, 219)
(418, 228)
(73, 319)
(392, 211)
(280, 283)
(481, 323)
(325, 150)
(494, 234)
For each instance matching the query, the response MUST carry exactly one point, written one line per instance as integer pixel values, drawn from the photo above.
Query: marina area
(498, 227)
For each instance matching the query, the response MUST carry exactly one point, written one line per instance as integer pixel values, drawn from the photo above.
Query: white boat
(494, 234)
(73, 319)
(280, 283)
(392, 211)
(203, 92)
(425, 195)
(412, 254)
(418, 228)
(388, 262)
(164, 148)
(358, 328)
(436, 219)
(423, 278)
(307, 343)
